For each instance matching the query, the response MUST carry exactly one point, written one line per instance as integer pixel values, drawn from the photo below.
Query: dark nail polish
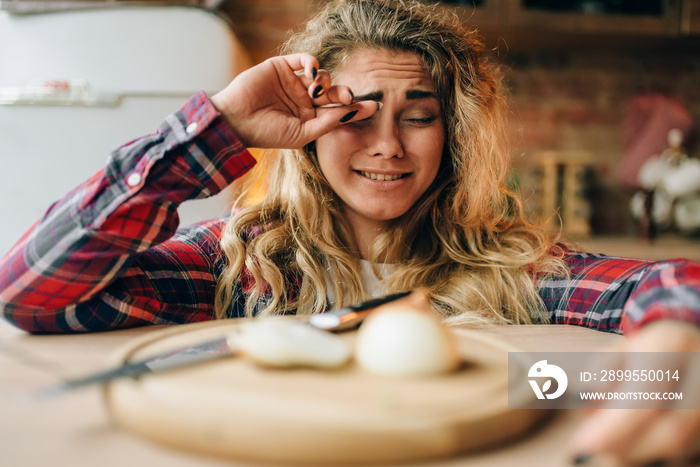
(314, 72)
(318, 92)
(348, 116)
(582, 459)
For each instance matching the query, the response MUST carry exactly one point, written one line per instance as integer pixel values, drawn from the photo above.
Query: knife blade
(209, 350)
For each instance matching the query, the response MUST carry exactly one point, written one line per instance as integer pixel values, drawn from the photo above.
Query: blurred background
(600, 91)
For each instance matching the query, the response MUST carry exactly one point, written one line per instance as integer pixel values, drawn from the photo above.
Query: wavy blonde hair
(466, 241)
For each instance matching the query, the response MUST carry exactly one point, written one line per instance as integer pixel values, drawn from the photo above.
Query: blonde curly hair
(466, 241)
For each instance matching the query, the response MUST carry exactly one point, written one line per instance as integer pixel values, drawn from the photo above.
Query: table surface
(75, 429)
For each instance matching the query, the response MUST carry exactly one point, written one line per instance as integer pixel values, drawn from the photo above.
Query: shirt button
(134, 179)
(191, 128)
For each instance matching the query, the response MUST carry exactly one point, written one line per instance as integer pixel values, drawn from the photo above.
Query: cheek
(438, 139)
(334, 149)
(430, 146)
(324, 154)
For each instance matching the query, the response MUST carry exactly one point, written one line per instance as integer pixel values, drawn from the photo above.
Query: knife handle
(351, 316)
(374, 302)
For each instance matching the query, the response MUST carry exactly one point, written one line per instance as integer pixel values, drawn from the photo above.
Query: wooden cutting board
(235, 409)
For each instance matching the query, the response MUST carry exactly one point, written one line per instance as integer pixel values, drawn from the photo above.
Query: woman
(393, 177)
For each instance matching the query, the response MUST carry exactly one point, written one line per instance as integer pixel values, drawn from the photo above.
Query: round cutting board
(235, 409)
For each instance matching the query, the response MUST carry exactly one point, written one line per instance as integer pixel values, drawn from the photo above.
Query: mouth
(382, 177)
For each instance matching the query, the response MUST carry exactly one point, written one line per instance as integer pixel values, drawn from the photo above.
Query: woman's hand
(277, 104)
(644, 436)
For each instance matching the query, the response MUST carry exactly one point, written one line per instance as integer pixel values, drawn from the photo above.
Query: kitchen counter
(75, 429)
(662, 247)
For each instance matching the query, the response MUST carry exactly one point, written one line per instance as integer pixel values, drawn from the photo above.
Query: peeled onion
(280, 342)
(405, 338)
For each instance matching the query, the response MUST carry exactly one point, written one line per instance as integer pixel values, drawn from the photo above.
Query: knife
(351, 316)
(209, 350)
(342, 319)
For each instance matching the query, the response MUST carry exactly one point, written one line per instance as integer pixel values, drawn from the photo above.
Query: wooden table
(75, 430)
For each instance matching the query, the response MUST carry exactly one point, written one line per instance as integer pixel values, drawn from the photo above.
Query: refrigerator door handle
(73, 92)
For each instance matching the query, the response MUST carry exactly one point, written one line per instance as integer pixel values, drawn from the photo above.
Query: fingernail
(582, 459)
(317, 92)
(348, 116)
(314, 72)
(379, 106)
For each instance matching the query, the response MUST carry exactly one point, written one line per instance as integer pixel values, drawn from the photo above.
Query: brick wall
(578, 100)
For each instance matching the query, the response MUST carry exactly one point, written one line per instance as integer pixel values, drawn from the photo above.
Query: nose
(384, 137)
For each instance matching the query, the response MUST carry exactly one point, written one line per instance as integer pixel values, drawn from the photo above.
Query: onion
(405, 338)
(281, 342)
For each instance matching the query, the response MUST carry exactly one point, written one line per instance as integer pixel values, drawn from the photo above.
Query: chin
(385, 216)
(377, 211)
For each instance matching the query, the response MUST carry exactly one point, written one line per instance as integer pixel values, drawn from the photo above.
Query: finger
(303, 61)
(339, 95)
(318, 88)
(671, 437)
(611, 431)
(326, 94)
(328, 118)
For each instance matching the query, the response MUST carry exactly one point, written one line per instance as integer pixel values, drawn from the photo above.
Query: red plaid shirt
(108, 254)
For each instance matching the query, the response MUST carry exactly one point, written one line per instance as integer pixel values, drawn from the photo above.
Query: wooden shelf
(676, 19)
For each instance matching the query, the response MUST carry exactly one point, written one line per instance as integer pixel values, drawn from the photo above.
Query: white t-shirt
(370, 282)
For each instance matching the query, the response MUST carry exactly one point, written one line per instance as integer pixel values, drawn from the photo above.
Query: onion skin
(406, 339)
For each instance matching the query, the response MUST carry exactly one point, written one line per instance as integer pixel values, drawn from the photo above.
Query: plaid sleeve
(621, 294)
(106, 255)
(670, 290)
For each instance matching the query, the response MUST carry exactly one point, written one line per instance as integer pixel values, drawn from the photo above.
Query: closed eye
(415, 121)
(421, 121)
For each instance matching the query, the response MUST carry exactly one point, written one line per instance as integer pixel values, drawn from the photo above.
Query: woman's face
(381, 166)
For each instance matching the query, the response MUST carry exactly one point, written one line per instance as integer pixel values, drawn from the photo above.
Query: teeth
(380, 177)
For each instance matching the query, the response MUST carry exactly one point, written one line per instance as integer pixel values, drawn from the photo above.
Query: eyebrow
(371, 96)
(413, 94)
(418, 94)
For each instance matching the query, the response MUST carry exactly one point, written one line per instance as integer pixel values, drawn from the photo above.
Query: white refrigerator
(75, 84)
